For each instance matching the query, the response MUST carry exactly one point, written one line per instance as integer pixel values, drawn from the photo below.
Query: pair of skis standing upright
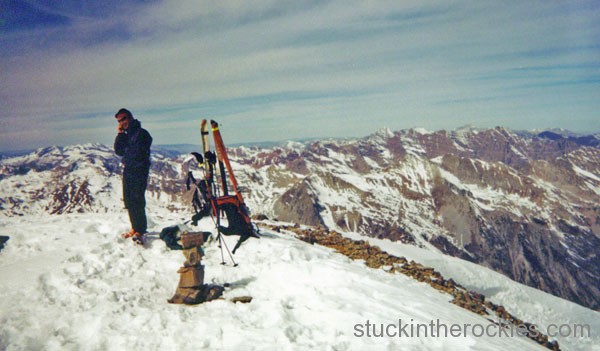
(232, 205)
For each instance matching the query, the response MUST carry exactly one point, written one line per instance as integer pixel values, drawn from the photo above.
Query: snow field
(527, 303)
(69, 283)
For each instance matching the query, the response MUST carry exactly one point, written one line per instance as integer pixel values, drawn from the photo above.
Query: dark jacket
(134, 147)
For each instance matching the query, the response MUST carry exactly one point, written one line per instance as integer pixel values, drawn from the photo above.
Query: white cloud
(336, 60)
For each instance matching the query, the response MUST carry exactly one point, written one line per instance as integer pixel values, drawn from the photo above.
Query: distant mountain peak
(467, 128)
(422, 131)
(384, 132)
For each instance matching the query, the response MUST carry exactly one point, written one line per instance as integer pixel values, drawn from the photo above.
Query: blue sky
(276, 70)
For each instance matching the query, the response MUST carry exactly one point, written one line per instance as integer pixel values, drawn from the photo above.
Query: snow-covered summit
(69, 282)
(384, 133)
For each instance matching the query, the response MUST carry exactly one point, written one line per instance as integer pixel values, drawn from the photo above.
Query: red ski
(233, 205)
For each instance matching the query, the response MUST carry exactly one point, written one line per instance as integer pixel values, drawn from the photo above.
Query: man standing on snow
(133, 145)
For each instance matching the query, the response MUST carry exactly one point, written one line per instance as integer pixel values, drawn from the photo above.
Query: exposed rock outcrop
(376, 258)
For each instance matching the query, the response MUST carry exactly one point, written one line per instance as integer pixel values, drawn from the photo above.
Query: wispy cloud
(273, 69)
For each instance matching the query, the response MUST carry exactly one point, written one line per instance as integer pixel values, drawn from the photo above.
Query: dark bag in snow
(170, 235)
(3, 239)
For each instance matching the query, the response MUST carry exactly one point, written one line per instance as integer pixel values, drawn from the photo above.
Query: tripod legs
(221, 244)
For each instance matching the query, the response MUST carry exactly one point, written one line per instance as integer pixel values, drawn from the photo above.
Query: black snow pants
(134, 196)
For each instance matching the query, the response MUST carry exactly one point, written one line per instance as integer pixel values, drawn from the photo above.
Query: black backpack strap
(190, 180)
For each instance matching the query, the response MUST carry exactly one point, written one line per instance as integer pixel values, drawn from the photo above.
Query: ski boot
(139, 238)
(128, 234)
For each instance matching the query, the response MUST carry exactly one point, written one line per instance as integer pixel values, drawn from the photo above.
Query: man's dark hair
(125, 111)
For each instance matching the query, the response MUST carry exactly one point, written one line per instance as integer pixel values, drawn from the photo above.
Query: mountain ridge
(521, 205)
(483, 189)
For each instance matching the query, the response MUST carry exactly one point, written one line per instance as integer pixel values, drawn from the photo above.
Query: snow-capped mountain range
(522, 204)
(526, 206)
